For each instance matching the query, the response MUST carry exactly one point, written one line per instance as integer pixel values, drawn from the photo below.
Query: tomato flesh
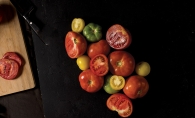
(120, 103)
(117, 82)
(99, 65)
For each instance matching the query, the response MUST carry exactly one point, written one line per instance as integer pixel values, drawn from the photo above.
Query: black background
(163, 35)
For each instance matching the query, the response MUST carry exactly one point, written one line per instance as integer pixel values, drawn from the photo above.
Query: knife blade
(24, 8)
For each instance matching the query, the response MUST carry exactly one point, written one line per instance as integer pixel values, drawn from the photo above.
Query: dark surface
(163, 35)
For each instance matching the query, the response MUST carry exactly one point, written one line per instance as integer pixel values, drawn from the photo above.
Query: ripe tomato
(8, 69)
(117, 82)
(90, 82)
(100, 47)
(83, 62)
(77, 25)
(14, 56)
(118, 37)
(136, 87)
(75, 44)
(120, 103)
(99, 65)
(121, 63)
(107, 86)
(142, 68)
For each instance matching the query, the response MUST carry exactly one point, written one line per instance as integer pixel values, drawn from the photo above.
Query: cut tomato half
(117, 82)
(99, 65)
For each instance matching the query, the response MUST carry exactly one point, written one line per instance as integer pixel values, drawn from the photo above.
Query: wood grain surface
(11, 40)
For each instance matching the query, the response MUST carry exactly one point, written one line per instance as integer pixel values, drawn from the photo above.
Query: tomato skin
(77, 25)
(100, 47)
(120, 103)
(90, 82)
(83, 62)
(136, 87)
(118, 37)
(14, 56)
(99, 65)
(8, 69)
(75, 44)
(121, 63)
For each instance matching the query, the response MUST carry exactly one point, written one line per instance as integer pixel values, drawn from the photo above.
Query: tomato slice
(77, 25)
(120, 103)
(8, 69)
(99, 65)
(14, 56)
(118, 37)
(117, 82)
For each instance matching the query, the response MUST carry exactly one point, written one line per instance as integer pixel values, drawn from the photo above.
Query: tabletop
(162, 34)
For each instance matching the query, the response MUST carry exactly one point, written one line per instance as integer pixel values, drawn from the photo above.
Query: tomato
(83, 62)
(77, 25)
(8, 69)
(120, 103)
(90, 82)
(121, 63)
(14, 56)
(100, 47)
(117, 82)
(136, 87)
(142, 68)
(75, 44)
(118, 37)
(99, 65)
(107, 86)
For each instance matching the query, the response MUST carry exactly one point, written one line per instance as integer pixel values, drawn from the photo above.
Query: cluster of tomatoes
(103, 68)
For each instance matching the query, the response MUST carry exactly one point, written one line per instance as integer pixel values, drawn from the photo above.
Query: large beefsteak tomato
(121, 63)
(75, 44)
(120, 103)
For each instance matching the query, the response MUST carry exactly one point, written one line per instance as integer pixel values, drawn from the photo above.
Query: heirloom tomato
(107, 86)
(77, 25)
(120, 103)
(136, 87)
(75, 44)
(100, 47)
(118, 37)
(99, 65)
(83, 62)
(121, 63)
(90, 82)
(14, 56)
(142, 68)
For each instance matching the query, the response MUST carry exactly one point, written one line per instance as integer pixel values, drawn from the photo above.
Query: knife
(24, 8)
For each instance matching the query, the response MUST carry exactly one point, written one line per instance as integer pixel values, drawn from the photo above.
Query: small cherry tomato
(117, 82)
(136, 87)
(120, 103)
(142, 68)
(77, 25)
(75, 44)
(99, 65)
(118, 37)
(90, 82)
(83, 62)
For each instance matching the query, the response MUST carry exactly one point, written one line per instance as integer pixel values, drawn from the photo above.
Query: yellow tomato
(77, 25)
(83, 62)
(142, 68)
(117, 82)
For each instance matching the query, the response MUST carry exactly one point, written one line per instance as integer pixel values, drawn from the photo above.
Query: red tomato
(136, 87)
(118, 37)
(100, 47)
(121, 63)
(75, 44)
(90, 82)
(8, 69)
(99, 65)
(120, 103)
(14, 56)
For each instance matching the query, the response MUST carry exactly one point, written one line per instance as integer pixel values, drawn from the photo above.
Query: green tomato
(92, 32)
(142, 68)
(107, 86)
(83, 62)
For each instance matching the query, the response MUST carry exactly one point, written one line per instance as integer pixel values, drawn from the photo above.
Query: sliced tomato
(75, 44)
(117, 82)
(14, 56)
(120, 103)
(99, 65)
(118, 37)
(8, 69)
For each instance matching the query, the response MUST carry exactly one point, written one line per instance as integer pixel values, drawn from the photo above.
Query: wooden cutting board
(11, 40)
